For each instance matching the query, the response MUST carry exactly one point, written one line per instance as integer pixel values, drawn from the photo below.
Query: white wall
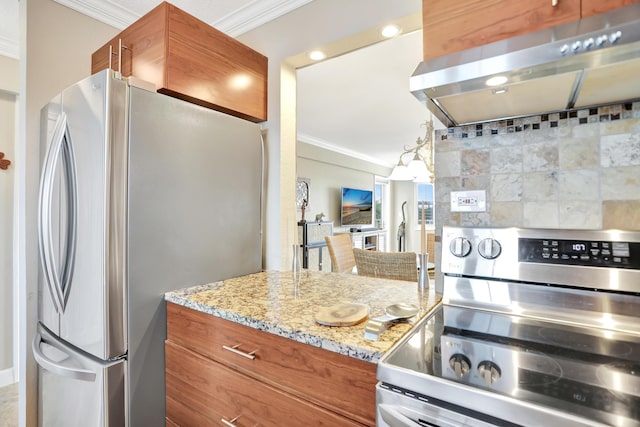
(9, 74)
(317, 23)
(329, 172)
(9, 86)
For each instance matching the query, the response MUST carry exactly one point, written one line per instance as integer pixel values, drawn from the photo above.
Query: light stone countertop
(272, 302)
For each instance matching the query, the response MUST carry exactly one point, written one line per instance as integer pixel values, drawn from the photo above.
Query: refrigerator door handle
(58, 368)
(60, 146)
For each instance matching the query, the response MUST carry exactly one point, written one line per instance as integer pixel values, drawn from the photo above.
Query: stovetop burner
(536, 328)
(581, 374)
(585, 343)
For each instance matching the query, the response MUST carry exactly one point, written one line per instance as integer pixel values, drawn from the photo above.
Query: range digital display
(580, 252)
(573, 247)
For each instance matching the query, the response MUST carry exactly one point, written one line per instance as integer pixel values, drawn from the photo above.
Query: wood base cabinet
(203, 392)
(188, 59)
(223, 373)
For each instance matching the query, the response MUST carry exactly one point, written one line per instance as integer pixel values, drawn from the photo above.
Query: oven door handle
(392, 415)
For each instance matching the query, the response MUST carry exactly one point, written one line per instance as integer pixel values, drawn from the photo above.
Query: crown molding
(307, 139)
(248, 17)
(9, 48)
(240, 21)
(254, 14)
(104, 11)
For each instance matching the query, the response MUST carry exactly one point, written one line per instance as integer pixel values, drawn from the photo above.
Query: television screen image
(357, 207)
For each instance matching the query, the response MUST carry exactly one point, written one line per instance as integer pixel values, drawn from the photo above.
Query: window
(425, 203)
(380, 196)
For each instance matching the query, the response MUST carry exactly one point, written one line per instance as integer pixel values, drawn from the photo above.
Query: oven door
(401, 408)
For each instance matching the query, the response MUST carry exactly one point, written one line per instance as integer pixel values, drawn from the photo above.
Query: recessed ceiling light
(496, 81)
(390, 31)
(317, 55)
(500, 90)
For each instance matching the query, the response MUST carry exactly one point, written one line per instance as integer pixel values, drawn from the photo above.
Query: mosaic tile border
(606, 113)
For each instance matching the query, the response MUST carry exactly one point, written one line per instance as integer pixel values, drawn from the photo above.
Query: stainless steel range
(536, 328)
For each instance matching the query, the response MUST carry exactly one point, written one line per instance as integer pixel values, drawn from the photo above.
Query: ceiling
(357, 103)
(360, 104)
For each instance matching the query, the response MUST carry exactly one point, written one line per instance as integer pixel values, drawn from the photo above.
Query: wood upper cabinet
(454, 26)
(594, 7)
(220, 369)
(188, 59)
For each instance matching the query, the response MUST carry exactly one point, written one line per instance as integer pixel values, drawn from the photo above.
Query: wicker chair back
(341, 253)
(388, 265)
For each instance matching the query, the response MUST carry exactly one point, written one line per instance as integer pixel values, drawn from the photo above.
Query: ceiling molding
(104, 11)
(254, 14)
(307, 139)
(246, 18)
(240, 21)
(9, 48)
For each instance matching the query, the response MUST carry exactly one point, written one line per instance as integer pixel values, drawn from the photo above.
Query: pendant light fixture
(420, 168)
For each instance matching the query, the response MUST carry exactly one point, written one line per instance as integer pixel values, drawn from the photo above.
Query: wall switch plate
(469, 201)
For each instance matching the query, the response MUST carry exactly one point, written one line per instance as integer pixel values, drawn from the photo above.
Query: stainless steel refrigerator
(140, 194)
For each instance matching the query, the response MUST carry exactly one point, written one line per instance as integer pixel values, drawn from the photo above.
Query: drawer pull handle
(229, 423)
(235, 350)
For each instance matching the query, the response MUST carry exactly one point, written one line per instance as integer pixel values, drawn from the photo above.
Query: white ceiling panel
(360, 102)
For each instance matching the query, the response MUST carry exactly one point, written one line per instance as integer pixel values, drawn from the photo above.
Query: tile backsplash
(574, 169)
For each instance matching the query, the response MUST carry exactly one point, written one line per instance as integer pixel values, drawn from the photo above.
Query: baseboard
(7, 377)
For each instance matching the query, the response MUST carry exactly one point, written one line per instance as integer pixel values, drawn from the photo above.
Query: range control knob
(602, 40)
(614, 37)
(489, 248)
(460, 247)
(460, 364)
(489, 371)
(588, 43)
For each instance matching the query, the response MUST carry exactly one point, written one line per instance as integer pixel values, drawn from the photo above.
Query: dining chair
(341, 253)
(388, 265)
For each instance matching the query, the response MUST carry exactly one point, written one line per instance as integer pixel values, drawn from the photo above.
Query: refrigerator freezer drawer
(76, 389)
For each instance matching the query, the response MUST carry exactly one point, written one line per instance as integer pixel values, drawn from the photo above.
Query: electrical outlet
(469, 201)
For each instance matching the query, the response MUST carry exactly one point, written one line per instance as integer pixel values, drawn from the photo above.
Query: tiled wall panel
(575, 169)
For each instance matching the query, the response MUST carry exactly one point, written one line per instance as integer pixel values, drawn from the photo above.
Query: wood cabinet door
(453, 26)
(594, 7)
(188, 59)
(100, 58)
(203, 392)
(343, 384)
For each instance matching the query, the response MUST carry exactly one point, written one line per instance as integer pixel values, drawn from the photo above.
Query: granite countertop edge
(278, 303)
(264, 326)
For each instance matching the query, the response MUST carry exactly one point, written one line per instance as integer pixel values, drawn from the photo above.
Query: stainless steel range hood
(594, 61)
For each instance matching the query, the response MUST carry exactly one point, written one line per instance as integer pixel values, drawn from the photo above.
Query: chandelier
(420, 167)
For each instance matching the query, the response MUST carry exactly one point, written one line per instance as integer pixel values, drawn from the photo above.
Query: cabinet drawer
(340, 383)
(203, 392)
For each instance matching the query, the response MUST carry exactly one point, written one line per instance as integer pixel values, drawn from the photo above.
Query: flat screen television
(357, 207)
